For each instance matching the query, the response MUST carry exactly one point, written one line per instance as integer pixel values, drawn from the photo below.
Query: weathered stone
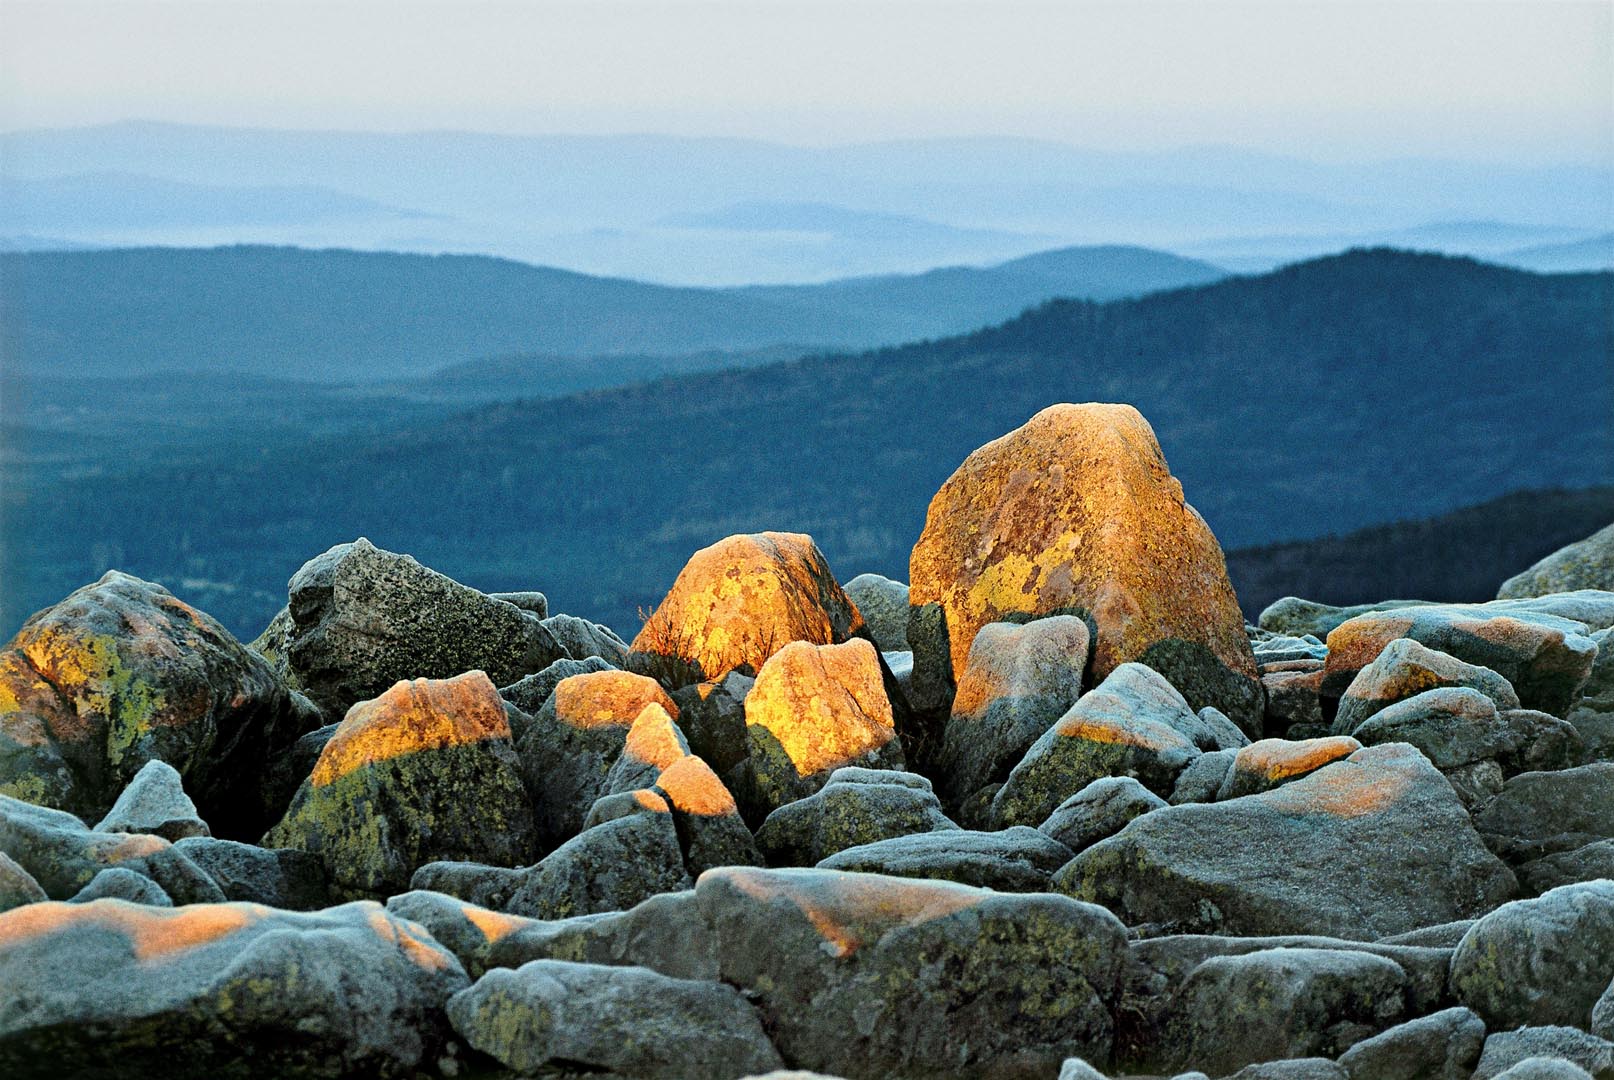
(1540, 813)
(121, 883)
(1203, 778)
(1293, 1069)
(425, 772)
(364, 619)
(1292, 615)
(485, 886)
(1476, 784)
(63, 856)
(121, 673)
(1451, 725)
(1217, 732)
(1594, 607)
(1077, 512)
(1543, 657)
(1345, 847)
(1077, 1069)
(1280, 1003)
(665, 933)
(629, 1021)
(1603, 1014)
(1585, 564)
(610, 866)
(1441, 935)
(1099, 810)
(1586, 863)
(17, 886)
(710, 828)
(211, 990)
(535, 602)
(653, 744)
(1131, 724)
(1272, 763)
(1293, 696)
(1405, 669)
(855, 807)
(1505, 1049)
(1545, 1068)
(712, 716)
(864, 976)
(276, 877)
(1541, 742)
(815, 708)
(468, 931)
(1592, 712)
(1018, 679)
(883, 604)
(1018, 859)
(530, 692)
(1442, 1046)
(572, 742)
(155, 802)
(743, 599)
(583, 639)
(1541, 961)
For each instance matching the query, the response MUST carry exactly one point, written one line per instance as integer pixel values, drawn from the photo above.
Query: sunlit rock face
(424, 772)
(1347, 848)
(1403, 669)
(741, 600)
(1272, 763)
(1077, 512)
(117, 989)
(363, 618)
(1585, 564)
(862, 975)
(815, 708)
(121, 673)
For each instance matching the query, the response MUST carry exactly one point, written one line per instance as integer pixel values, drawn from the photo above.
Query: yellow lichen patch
(824, 704)
(89, 670)
(1099, 731)
(600, 698)
(423, 714)
(693, 788)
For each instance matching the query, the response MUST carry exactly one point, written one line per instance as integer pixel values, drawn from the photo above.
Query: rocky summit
(1050, 809)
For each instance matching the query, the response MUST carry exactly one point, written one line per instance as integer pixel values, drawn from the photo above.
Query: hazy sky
(1469, 78)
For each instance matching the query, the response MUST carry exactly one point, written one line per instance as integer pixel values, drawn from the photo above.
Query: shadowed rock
(1506, 1049)
(155, 802)
(665, 933)
(277, 877)
(1403, 670)
(1585, 564)
(121, 883)
(1019, 859)
(1099, 810)
(856, 807)
(884, 606)
(1441, 1046)
(1541, 813)
(531, 692)
(17, 886)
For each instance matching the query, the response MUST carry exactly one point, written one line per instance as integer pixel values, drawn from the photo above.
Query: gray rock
(484, 886)
(17, 886)
(1505, 1049)
(121, 883)
(1476, 784)
(1603, 1014)
(582, 639)
(1271, 763)
(468, 931)
(1588, 863)
(1441, 935)
(1217, 731)
(1203, 778)
(1293, 695)
(1099, 810)
(1541, 961)
(1592, 712)
(63, 856)
(1405, 669)
(712, 716)
(609, 867)
(530, 692)
(1594, 607)
(884, 604)
(1442, 1046)
(1282, 648)
(665, 933)
(1017, 859)
(1131, 724)
(1585, 564)
(710, 828)
(1282, 1003)
(1546, 1068)
(194, 991)
(625, 1020)
(1542, 742)
(364, 618)
(1294, 1069)
(856, 807)
(155, 802)
(865, 975)
(1077, 1069)
(1541, 813)
(1298, 617)
(1452, 726)
(277, 877)
(1018, 679)
(653, 743)
(1371, 813)
(535, 602)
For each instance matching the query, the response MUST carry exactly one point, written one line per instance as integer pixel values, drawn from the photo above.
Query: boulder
(575, 738)
(1441, 1046)
(582, 639)
(665, 933)
(424, 772)
(653, 744)
(485, 886)
(1586, 863)
(710, 828)
(1452, 726)
(1405, 669)
(1293, 1069)
(741, 600)
(1272, 763)
(883, 604)
(861, 975)
(1076, 512)
(1603, 1014)
(535, 602)
(276, 877)
(530, 692)
(1293, 692)
(1543, 657)
(364, 619)
(856, 807)
(1344, 848)
(1297, 617)
(1019, 859)
(1131, 724)
(1541, 742)
(1505, 1049)
(712, 716)
(1541, 961)
(121, 883)
(17, 886)
(1281, 1003)
(155, 802)
(62, 855)
(1541, 813)
(121, 673)
(117, 989)
(1099, 810)
(1545, 1068)
(1288, 648)
(624, 1020)
(1017, 680)
(1203, 778)
(815, 708)
(468, 931)
(1594, 607)
(1592, 712)
(1441, 935)
(1585, 564)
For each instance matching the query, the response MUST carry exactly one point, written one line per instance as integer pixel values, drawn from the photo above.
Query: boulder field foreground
(1050, 809)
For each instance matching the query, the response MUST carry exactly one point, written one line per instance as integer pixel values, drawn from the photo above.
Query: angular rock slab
(1441, 1046)
(116, 989)
(884, 606)
(121, 673)
(856, 807)
(1403, 670)
(1344, 848)
(1541, 813)
(155, 802)
(1019, 859)
(1077, 512)
(860, 975)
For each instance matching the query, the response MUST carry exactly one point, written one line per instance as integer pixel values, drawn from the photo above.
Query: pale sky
(1530, 81)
